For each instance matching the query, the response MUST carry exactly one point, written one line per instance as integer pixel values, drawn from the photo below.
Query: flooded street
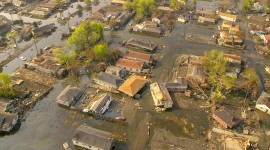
(48, 126)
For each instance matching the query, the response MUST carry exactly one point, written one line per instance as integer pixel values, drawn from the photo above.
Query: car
(23, 58)
(46, 48)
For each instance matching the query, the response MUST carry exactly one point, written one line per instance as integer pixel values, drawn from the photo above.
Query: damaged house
(161, 96)
(138, 44)
(8, 121)
(234, 65)
(99, 104)
(223, 117)
(90, 138)
(116, 71)
(69, 96)
(107, 80)
(263, 103)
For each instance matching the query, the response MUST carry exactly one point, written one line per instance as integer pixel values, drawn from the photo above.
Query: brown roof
(226, 117)
(267, 37)
(132, 85)
(228, 15)
(138, 56)
(129, 63)
(233, 57)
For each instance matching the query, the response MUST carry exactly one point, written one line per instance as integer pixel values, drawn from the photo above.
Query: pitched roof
(138, 56)
(89, 136)
(233, 58)
(109, 79)
(141, 44)
(264, 99)
(129, 63)
(226, 117)
(99, 102)
(206, 19)
(228, 15)
(68, 94)
(132, 85)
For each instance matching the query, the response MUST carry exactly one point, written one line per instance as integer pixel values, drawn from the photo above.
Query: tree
(101, 51)
(215, 65)
(5, 86)
(249, 84)
(87, 34)
(87, 2)
(175, 4)
(59, 2)
(79, 8)
(13, 36)
(246, 5)
(143, 7)
(63, 58)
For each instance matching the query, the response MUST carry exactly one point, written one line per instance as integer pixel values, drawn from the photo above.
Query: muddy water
(48, 126)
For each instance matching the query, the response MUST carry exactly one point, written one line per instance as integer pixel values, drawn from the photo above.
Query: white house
(263, 102)
(229, 17)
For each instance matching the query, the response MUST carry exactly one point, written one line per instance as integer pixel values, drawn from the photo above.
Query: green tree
(249, 84)
(143, 7)
(63, 58)
(215, 65)
(246, 5)
(175, 4)
(87, 2)
(59, 2)
(101, 51)
(13, 36)
(5, 86)
(87, 34)
(79, 8)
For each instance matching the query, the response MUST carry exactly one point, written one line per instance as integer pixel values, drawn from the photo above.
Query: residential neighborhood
(135, 74)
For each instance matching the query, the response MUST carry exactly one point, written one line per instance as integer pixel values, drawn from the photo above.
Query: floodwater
(48, 126)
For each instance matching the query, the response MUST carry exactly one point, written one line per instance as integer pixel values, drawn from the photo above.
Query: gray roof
(99, 103)
(109, 79)
(114, 70)
(176, 85)
(67, 95)
(142, 44)
(93, 137)
(6, 119)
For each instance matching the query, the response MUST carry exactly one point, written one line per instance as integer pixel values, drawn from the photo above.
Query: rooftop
(228, 15)
(132, 85)
(111, 80)
(138, 56)
(129, 63)
(89, 136)
(264, 99)
(141, 44)
(68, 94)
(99, 102)
(226, 117)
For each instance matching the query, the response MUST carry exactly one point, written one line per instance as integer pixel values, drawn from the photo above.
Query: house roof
(109, 79)
(226, 117)
(204, 12)
(93, 137)
(206, 19)
(99, 102)
(141, 44)
(114, 70)
(160, 94)
(264, 99)
(196, 73)
(6, 119)
(138, 56)
(233, 58)
(129, 63)
(228, 15)
(267, 36)
(132, 85)
(68, 94)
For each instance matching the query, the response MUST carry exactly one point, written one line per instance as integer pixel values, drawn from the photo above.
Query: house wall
(80, 144)
(130, 69)
(104, 84)
(220, 121)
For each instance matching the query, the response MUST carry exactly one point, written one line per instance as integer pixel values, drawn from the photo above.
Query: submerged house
(133, 85)
(196, 74)
(8, 121)
(263, 103)
(130, 65)
(138, 44)
(161, 96)
(69, 96)
(93, 139)
(46, 29)
(138, 56)
(108, 80)
(100, 104)
(223, 117)
(116, 71)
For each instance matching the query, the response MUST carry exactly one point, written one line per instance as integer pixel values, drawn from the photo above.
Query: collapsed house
(100, 104)
(223, 117)
(263, 103)
(161, 96)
